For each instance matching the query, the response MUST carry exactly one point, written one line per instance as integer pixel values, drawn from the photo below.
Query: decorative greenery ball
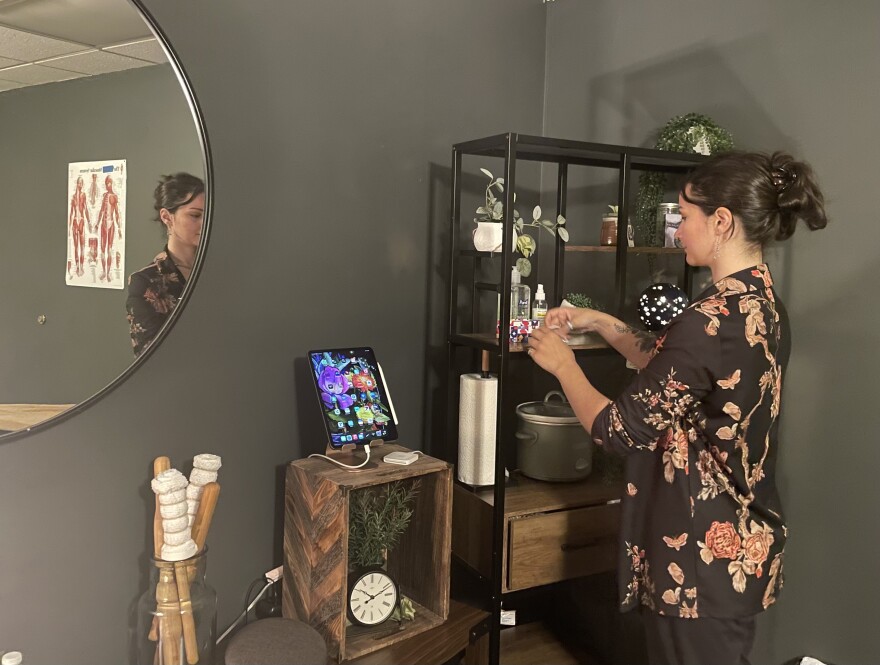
(692, 133)
(659, 304)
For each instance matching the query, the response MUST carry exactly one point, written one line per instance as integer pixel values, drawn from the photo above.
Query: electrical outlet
(275, 574)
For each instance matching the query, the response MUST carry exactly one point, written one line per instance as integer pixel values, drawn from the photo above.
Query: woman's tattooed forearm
(644, 339)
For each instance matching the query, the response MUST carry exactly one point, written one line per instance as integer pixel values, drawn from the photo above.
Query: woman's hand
(550, 351)
(562, 320)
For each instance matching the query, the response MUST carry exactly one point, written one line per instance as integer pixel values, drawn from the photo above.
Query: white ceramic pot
(488, 236)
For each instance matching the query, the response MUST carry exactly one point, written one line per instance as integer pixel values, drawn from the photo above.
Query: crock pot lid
(550, 412)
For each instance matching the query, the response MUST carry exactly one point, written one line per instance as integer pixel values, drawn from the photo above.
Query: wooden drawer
(550, 547)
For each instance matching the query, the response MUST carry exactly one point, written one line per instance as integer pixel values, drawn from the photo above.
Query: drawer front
(558, 546)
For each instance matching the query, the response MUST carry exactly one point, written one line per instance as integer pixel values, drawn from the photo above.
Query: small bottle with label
(520, 297)
(539, 307)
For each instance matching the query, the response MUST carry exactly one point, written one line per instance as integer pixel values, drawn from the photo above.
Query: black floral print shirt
(702, 531)
(153, 293)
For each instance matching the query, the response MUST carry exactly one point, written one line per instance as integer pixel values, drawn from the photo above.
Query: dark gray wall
(331, 129)
(800, 76)
(138, 115)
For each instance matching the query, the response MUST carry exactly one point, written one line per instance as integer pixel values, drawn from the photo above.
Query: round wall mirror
(94, 111)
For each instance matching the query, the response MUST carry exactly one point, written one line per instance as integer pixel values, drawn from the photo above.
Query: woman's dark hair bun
(176, 190)
(798, 195)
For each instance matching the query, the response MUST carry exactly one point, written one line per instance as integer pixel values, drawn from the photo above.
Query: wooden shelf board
(631, 250)
(20, 416)
(524, 496)
(535, 643)
(434, 646)
(325, 470)
(488, 340)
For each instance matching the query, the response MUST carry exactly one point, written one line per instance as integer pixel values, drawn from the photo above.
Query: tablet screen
(352, 396)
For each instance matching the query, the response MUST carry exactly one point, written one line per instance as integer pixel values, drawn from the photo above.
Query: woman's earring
(717, 248)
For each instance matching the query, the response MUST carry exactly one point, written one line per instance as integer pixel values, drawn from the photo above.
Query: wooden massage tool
(173, 541)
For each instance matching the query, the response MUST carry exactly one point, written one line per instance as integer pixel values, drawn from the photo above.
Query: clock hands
(373, 595)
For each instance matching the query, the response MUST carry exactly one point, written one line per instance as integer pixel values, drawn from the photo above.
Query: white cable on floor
(244, 614)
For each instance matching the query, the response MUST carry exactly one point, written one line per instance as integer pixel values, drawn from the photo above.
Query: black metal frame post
(622, 224)
(561, 202)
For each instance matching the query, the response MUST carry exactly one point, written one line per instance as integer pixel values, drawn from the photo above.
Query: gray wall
(84, 343)
(331, 129)
(800, 76)
(334, 128)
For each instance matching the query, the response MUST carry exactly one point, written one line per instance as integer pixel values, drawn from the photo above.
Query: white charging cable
(346, 466)
(248, 609)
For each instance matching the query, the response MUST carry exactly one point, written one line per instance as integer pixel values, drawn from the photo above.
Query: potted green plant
(379, 517)
(488, 236)
(691, 133)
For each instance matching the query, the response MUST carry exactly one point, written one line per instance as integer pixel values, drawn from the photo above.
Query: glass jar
(608, 235)
(177, 614)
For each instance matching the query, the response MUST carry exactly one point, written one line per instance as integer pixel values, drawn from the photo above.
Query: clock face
(372, 598)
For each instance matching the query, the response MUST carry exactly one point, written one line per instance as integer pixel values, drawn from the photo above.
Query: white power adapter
(275, 574)
(401, 457)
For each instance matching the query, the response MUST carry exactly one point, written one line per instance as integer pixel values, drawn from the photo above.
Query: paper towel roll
(477, 407)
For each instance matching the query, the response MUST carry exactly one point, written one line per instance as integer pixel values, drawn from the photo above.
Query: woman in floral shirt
(154, 291)
(702, 532)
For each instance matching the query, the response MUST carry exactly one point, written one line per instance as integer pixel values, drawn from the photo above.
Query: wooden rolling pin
(205, 513)
(168, 629)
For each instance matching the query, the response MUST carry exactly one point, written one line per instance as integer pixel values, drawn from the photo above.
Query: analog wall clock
(372, 597)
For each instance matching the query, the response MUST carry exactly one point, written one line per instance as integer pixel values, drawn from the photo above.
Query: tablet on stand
(355, 403)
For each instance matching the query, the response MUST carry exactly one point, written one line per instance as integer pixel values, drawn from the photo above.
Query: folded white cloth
(202, 477)
(168, 481)
(207, 462)
(194, 491)
(174, 496)
(172, 510)
(175, 524)
(179, 552)
(177, 537)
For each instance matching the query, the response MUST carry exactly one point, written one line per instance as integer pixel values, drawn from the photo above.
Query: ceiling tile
(95, 62)
(9, 62)
(27, 47)
(92, 22)
(36, 74)
(9, 85)
(145, 50)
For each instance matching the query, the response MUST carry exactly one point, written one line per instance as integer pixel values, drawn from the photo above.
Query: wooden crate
(316, 514)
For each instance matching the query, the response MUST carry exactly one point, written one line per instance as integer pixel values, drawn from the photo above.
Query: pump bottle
(539, 307)
(520, 296)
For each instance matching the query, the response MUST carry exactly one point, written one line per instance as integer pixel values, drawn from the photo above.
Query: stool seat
(276, 641)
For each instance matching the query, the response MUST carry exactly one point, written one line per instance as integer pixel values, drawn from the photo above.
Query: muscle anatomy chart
(96, 224)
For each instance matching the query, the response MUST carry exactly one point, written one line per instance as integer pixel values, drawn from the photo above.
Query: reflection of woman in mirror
(153, 291)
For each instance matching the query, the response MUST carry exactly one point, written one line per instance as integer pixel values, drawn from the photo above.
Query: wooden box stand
(316, 562)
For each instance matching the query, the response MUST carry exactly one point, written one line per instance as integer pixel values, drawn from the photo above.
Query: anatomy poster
(96, 224)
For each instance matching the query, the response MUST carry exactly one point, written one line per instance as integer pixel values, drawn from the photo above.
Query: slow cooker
(551, 442)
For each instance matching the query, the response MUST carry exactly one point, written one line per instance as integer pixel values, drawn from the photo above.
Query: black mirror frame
(196, 111)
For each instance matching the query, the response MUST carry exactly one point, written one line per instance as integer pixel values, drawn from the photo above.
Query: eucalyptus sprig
(378, 518)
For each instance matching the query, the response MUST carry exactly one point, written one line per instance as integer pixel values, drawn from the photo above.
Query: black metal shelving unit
(513, 148)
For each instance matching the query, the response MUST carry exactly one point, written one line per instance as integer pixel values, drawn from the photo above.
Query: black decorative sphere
(659, 304)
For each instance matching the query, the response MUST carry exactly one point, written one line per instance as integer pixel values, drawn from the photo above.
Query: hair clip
(782, 179)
